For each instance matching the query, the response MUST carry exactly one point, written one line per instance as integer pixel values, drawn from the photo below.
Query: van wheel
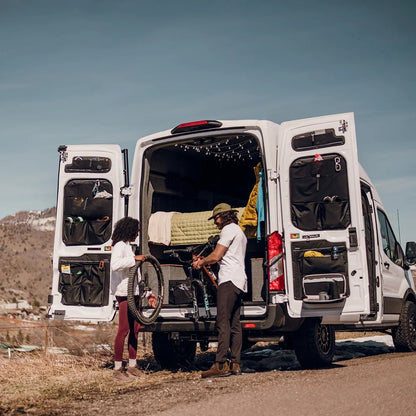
(172, 354)
(314, 344)
(404, 336)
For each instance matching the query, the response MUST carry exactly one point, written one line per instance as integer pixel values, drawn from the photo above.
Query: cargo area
(183, 180)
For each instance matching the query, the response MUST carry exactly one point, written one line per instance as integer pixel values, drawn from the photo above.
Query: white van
(321, 253)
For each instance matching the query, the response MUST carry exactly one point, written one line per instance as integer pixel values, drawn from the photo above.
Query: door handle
(387, 265)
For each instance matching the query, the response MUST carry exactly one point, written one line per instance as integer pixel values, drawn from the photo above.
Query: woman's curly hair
(125, 229)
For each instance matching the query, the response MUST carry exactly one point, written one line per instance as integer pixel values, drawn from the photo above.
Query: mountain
(26, 244)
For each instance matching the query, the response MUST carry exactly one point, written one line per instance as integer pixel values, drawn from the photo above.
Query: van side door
(392, 264)
(326, 273)
(88, 205)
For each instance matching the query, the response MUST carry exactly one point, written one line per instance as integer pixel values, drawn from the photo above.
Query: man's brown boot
(217, 370)
(235, 369)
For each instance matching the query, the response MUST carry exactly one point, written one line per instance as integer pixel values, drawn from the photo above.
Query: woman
(122, 259)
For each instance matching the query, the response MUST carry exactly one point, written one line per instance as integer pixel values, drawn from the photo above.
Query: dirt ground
(67, 385)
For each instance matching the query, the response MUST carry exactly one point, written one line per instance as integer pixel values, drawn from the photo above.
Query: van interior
(183, 181)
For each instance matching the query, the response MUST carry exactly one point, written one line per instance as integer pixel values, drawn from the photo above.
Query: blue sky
(74, 72)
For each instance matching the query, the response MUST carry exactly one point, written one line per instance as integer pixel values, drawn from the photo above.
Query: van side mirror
(411, 252)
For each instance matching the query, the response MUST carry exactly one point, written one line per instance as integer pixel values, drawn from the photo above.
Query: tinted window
(317, 139)
(391, 246)
(89, 164)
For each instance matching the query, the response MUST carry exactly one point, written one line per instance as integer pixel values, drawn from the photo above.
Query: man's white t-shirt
(232, 264)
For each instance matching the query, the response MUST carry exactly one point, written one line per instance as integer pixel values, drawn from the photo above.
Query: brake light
(249, 325)
(275, 262)
(196, 125)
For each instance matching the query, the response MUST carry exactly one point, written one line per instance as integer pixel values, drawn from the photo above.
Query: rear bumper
(275, 320)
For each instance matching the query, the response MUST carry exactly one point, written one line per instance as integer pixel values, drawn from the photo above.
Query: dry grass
(38, 384)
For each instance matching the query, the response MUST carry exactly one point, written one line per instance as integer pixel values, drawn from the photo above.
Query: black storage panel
(85, 280)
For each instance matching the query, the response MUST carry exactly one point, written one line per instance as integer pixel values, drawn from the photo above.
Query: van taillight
(196, 125)
(275, 258)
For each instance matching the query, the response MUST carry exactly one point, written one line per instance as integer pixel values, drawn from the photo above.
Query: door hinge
(273, 175)
(126, 190)
(63, 154)
(343, 126)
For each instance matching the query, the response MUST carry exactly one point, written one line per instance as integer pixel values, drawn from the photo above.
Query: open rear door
(88, 205)
(322, 217)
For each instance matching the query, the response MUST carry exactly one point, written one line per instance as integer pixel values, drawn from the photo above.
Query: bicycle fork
(206, 303)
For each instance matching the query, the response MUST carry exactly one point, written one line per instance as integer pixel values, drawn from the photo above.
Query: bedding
(185, 227)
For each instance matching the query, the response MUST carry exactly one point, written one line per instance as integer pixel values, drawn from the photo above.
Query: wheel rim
(324, 338)
(137, 309)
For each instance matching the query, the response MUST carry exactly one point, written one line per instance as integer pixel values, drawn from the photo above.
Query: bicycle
(197, 277)
(151, 282)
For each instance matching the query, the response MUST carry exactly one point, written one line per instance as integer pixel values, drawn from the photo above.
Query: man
(232, 282)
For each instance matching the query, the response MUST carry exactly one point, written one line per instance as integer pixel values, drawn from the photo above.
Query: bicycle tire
(138, 310)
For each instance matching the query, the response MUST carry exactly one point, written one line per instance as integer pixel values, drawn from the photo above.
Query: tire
(172, 354)
(314, 344)
(152, 280)
(404, 336)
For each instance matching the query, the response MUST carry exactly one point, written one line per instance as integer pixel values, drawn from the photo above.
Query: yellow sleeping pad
(312, 253)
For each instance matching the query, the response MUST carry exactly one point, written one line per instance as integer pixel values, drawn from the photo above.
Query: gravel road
(380, 384)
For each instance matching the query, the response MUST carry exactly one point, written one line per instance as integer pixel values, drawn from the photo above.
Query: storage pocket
(324, 288)
(99, 231)
(84, 281)
(78, 231)
(70, 283)
(314, 258)
(305, 216)
(75, 232)
(335, 215)
(324, 264)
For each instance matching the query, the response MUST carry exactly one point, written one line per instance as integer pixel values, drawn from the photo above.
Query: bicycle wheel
(151, 280)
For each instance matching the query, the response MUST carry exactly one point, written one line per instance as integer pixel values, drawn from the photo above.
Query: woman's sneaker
(134, 372)
(120, 375)
(217, 370)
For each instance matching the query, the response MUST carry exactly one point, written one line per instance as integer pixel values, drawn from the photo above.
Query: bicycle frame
(197, 279)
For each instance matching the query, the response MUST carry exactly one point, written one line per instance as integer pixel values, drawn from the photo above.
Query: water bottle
(334, 253)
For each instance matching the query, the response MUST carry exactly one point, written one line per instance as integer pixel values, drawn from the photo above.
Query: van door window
(316, 140)
(391, 246)
(88, 164)
(319, 192)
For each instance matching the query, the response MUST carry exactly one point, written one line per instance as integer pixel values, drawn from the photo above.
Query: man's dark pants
(230, 334)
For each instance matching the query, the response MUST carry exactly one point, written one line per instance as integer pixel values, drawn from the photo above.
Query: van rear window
(316, 140)
(89, 164)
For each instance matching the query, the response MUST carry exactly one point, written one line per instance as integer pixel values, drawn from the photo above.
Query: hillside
(26, 243)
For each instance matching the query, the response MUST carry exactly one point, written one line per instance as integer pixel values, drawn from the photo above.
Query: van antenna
(398, 225)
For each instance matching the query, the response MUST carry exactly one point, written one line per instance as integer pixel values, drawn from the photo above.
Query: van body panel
(88, 205)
